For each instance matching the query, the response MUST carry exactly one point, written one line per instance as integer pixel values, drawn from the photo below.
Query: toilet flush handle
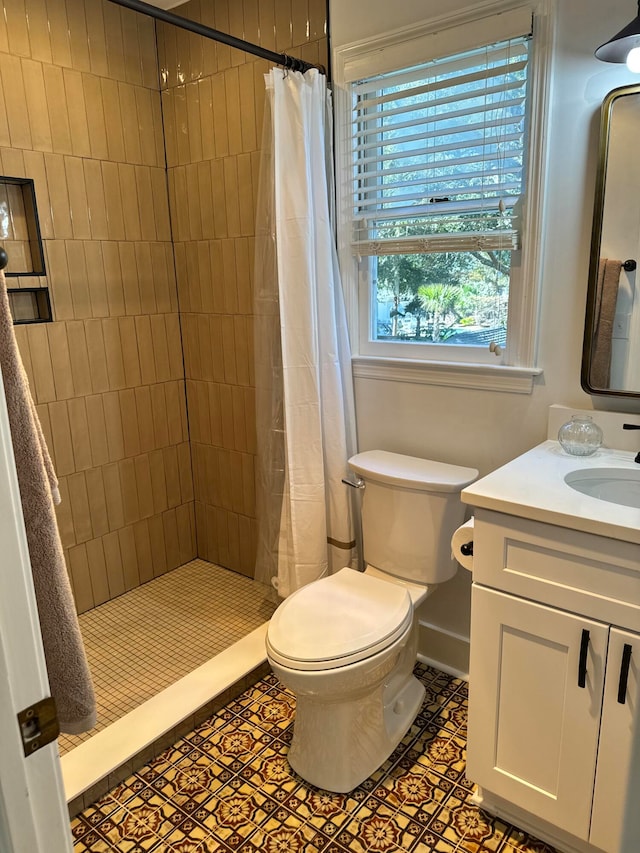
(359, 483)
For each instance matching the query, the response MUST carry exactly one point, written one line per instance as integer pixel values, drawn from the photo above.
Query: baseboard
(443, 649)
(560, 840)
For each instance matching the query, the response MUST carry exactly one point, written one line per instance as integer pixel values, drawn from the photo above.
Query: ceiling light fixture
(624, 46)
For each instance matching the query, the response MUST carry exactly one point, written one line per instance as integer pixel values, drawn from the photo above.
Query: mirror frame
(596, 241)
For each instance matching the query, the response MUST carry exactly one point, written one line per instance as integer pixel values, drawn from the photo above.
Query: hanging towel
(605, 309)
(69, 677)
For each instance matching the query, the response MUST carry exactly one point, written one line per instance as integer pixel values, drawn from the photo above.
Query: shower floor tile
(227, 786)
(146, 639)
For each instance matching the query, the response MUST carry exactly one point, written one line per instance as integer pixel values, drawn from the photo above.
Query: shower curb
(106, 759)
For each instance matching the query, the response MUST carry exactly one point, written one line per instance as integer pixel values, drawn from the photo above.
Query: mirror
(611, 353)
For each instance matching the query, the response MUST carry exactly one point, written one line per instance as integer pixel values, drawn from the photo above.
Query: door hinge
(38, 725)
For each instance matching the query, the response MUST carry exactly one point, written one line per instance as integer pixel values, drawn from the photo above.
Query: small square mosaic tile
(227, 786)
(142, 642)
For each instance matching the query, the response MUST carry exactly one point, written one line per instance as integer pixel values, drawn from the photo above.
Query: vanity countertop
(533, 486)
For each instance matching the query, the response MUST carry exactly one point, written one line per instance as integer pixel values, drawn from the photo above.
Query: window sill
(484, 377)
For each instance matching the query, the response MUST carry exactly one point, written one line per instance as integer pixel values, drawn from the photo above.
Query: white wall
(484, 429)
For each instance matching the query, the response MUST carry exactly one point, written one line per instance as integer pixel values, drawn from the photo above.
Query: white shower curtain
(305, 409)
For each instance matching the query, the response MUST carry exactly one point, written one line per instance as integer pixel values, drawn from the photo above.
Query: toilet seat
(337, 621)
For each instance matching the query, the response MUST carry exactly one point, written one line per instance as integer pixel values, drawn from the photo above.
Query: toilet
(346, 644)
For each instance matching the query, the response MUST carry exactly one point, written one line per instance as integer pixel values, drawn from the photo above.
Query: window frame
(514, 368)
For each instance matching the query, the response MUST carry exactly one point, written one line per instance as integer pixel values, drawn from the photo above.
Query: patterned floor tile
(122, 831)
(414, 792)
(187, 839)
(334, 847)
(281, 839)
(235, 743)
(209, 845)
(442, 753)
(410, 832)
(462, 822)
(484, 835)
(227, 786)
(520, 842)
(329, 826)
(351, 836)
(431, 843)
(229, 819)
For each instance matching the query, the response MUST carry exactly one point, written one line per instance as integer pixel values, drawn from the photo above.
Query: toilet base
(360, 734)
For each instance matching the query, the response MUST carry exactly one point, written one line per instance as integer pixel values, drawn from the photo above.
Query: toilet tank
(410, 508)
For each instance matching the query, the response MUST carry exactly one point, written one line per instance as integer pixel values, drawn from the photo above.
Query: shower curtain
(304, 391)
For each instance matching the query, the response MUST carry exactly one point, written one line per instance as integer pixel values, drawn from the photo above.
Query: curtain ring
(292, 63)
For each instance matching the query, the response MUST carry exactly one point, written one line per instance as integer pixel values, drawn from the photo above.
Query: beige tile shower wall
(80, 113)
(213, 104)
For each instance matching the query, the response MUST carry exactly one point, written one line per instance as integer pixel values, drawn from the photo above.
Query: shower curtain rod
(200, 29)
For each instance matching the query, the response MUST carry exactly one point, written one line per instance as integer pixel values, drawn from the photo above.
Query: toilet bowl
(336, 646)
(346, 644)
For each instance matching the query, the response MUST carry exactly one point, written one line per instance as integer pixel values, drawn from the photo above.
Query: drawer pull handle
(582, 666)
(624, 673)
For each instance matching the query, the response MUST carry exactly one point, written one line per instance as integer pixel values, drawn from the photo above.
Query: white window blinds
(438, 153)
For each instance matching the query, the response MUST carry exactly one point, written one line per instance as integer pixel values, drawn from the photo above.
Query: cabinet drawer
(576, 571)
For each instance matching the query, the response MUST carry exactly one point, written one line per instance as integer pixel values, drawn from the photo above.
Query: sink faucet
(633, 426)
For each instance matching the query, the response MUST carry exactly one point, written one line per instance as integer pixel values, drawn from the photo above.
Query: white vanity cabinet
(554, 687)
(615, 818)
(533, 731)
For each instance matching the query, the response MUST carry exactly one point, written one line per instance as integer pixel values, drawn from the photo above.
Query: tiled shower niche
(19, 228)
(21, 252)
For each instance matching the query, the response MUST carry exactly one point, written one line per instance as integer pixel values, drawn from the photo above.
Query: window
(438, 169)
(436, 157)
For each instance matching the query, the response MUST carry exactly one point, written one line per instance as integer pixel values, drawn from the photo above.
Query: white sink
(616, 485)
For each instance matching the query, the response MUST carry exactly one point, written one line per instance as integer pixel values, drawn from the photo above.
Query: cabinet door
(615, 822)
(533, 730)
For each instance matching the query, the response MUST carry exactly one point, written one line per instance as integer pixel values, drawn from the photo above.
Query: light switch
(621, 325)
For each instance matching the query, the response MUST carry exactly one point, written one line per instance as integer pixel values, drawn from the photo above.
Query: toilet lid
(338, 620)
